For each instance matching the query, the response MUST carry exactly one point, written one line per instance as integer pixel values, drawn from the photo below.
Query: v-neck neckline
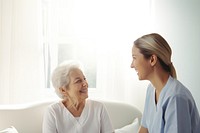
(161, 93)
(81, 118)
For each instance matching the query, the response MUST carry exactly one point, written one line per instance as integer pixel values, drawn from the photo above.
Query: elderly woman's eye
(78, 81)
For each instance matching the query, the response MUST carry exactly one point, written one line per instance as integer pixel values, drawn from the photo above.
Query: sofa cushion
(9, 130)
(131, 128)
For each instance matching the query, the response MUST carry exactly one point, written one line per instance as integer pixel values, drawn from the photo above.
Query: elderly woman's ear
(63, 91)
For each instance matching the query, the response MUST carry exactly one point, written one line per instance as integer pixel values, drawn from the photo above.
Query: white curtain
(112, 25)
(115, 79)
(21, 57)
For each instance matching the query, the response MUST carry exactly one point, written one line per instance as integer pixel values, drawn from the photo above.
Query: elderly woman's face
(78, 86)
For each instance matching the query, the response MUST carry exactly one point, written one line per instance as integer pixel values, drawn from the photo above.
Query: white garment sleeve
(106, 125)
(49, 125)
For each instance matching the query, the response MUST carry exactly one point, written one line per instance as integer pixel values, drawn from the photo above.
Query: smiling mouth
(84, 91)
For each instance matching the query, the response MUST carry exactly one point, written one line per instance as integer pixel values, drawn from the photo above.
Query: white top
(175, 112)
(94, 119)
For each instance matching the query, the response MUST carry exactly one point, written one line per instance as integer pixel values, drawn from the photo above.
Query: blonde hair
(155, 44)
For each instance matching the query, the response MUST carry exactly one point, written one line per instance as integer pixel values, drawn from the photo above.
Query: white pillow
(9, 130)
(131, 128)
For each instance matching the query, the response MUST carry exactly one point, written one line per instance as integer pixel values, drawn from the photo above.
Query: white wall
(179, 22)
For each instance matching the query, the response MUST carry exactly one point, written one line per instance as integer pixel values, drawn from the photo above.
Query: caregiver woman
(169, 105)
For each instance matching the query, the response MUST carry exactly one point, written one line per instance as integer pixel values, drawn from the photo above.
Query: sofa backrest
(122, 114)
(28, 118)
(25, 118)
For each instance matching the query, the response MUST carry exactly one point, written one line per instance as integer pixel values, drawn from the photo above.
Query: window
(100, 34)
(60, 43)
(84, 52)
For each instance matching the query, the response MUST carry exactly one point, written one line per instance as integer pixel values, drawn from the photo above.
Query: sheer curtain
(112, 25)
(21, 56)
(115, 79)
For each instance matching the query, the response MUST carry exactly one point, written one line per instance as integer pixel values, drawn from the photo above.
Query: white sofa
(28, 118)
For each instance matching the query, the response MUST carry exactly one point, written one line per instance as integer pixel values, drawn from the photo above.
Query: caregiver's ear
(153, 59)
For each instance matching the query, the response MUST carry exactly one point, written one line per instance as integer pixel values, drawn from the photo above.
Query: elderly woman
(74, 113)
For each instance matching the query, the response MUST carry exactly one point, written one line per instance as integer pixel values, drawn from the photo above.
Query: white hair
(60, 75)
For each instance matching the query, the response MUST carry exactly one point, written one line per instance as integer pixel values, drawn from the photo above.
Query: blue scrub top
(175, 112)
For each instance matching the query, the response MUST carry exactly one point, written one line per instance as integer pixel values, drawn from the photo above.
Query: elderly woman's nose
(85, 83)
